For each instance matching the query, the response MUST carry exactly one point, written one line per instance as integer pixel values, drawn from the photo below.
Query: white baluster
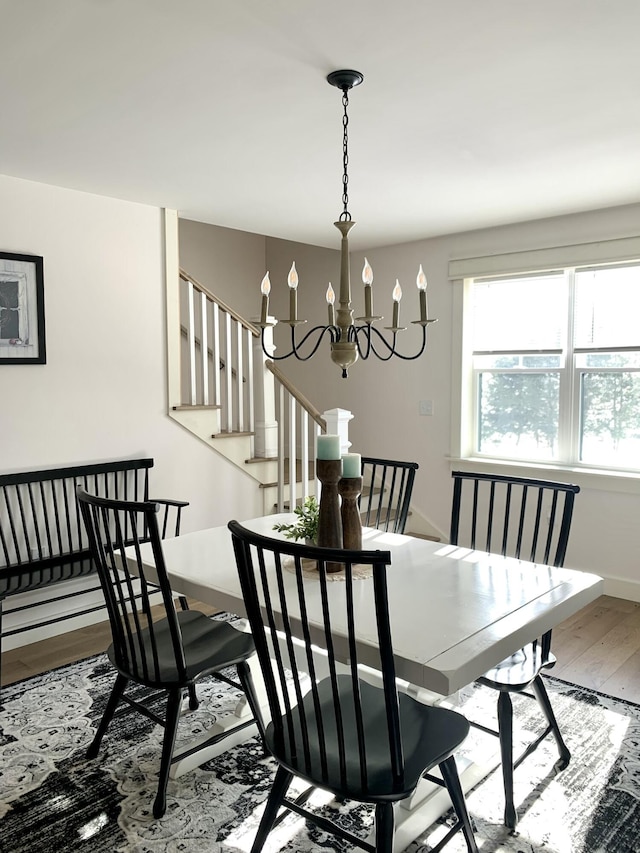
(266, 423)
(281, 449)
(216, 354)
(304, 452)
(240, 377)
(192, 346)
(250, 388)
(204, 349)
(293, 484)
(228, 372)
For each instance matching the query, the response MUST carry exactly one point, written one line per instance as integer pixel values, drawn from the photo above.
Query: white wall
(102, 393)
(384, 397)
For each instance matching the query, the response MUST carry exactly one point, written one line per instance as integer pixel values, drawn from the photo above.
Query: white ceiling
(473, 112)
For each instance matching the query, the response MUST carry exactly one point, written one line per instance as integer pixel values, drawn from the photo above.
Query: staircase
(225, 391)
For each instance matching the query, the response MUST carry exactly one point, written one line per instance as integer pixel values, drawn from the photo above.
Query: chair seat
(516, 672)
(429, 736)
(208, 646)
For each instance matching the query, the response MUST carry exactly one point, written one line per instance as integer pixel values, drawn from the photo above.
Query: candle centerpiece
(349, 489)
(329, 472)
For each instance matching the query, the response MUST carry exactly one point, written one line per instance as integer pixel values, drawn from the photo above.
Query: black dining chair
(387, 485)
(162, 648)
(530, 520)
(322, 721)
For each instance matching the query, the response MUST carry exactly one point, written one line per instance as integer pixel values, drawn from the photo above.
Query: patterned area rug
(53, 799)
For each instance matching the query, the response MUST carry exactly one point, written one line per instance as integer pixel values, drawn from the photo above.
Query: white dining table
(454, 614)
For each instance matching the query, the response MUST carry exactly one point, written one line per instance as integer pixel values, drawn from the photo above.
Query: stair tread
(200, 407)
(287, 479)
(226, 434)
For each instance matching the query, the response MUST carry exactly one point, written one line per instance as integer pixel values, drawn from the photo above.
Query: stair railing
(223, 367)
(299, 424)
(216, 356)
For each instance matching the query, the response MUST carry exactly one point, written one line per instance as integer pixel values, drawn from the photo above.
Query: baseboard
(622, 588)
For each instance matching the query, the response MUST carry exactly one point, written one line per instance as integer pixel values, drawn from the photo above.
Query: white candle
(397, 296)
(367, 278)
(351, 465)
(265, 289)
(328, 447)
(421, 281)
(331, 298)
(292, 281)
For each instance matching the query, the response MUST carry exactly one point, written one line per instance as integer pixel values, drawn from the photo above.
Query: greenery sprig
(306, 527)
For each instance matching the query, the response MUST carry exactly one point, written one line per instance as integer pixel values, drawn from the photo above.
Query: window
(554, 362)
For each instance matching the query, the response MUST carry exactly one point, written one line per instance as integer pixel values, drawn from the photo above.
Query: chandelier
(350, 339)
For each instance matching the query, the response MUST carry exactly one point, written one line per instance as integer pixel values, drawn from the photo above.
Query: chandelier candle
(421, 281)
(331, 298)
(367, 277)
(397, 296)
(292, 281)
(265, 289)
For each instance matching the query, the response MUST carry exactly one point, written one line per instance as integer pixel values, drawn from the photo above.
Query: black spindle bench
(43, 540)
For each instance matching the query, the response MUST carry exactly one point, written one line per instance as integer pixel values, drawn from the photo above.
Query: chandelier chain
(345, 216)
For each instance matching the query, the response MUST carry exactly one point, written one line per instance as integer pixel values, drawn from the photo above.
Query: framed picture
(22, 339)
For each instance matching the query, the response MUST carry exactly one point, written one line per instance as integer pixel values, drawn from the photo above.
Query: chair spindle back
(386, 493)
(112, 527)
(316, 721)
(517, 517)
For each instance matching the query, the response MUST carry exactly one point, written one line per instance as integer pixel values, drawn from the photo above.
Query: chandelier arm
(392, 348)
(420, 351)
(416, 355)
(296, 347)
(354, 335)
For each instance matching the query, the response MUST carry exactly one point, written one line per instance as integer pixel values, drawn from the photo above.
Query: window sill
(587, 478)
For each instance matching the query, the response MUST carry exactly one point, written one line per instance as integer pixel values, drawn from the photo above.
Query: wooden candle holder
(349, 489)
(329, 472)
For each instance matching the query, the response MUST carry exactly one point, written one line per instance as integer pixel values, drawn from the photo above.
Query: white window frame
(461, 275)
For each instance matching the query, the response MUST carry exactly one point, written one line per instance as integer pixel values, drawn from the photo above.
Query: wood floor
(599, 647)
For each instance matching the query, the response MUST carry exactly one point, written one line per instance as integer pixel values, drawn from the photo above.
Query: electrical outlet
(425, 407)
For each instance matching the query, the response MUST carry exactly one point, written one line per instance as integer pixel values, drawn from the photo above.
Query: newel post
(266, 427)
(338, 424)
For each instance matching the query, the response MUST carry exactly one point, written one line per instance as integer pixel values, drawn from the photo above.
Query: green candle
(351, 465)
(328, 447)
